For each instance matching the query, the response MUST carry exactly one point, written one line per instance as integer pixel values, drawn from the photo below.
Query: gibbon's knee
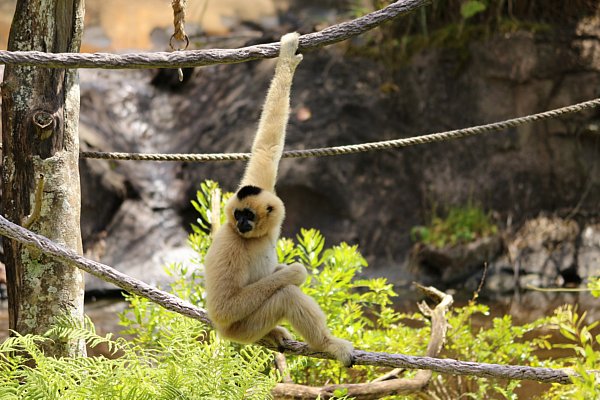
(258, 324)
(288, 303)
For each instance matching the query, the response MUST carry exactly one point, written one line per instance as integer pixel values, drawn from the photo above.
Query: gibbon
(247, 292)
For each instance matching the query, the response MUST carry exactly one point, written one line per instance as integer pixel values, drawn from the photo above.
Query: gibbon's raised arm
(270, 136)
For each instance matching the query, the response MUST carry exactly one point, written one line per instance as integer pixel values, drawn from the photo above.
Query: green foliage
(499, 341)
(199, 240)
(177, 367)
(471, 7)
(359, 310)
(461, 225)
(584, 359)
(594, 286)
(168, 356)
(453, 24)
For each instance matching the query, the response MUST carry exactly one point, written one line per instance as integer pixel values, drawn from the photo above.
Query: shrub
(461, 225)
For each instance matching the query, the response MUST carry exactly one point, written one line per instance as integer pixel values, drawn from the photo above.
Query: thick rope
(198, 58)
(356, 148)
(179, 19)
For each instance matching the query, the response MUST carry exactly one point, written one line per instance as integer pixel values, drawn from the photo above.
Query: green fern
(178, 366)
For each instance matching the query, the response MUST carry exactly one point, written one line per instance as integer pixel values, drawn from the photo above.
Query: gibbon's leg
(236, 306)
(305, 316)
(270, 136)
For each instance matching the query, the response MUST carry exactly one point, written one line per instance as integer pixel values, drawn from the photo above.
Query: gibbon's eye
(269, 209)
(246, 214)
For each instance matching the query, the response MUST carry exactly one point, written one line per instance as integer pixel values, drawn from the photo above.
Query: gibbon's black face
(244, 219)
(255, 212)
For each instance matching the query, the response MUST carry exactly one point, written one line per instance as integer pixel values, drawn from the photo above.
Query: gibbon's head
(254, 212)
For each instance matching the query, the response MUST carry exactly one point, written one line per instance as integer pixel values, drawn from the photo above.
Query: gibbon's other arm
(270, 136)
(239, 303)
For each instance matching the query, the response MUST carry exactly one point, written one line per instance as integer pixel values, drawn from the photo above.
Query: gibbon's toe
(289, 45)
(342, 350)
(277, 336)
(352, 360)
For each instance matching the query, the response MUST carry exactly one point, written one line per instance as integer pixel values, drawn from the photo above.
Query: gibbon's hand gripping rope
(356, 148)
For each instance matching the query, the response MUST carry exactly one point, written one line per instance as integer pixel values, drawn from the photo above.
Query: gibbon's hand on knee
(295, 273)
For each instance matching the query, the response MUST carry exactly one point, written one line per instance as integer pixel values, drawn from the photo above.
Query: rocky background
(541, 180)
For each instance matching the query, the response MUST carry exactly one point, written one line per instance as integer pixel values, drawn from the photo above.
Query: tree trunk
(40, 188)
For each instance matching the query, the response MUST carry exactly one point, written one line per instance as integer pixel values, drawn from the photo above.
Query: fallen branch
(389, 384)
(197, 58)
(173, 303)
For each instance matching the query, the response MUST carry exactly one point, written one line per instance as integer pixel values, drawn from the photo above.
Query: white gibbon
(247, 292)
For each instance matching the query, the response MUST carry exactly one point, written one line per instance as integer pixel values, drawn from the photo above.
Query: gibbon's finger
(298, 58)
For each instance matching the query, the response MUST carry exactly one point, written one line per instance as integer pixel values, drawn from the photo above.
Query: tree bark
(40, 188)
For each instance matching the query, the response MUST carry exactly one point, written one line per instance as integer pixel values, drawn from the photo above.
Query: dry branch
(173, 303)
(197, 58)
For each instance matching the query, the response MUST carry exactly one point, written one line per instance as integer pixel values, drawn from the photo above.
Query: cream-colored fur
(247, 292)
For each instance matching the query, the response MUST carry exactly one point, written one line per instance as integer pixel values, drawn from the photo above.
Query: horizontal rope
(356, 148)
(198, 58)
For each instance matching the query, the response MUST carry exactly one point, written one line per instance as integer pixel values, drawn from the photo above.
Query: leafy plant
(470, 8)
(585, 358)
(498, 341)
(177, 367)
(168, 356)
(453, 24)
(594, 286)
(359, 310)
(461, 225)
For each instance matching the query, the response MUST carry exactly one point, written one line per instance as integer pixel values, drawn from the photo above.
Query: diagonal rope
(355, 148)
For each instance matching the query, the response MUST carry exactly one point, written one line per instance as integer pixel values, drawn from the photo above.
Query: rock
(588, 257)
(102, 193)
(544, 250)
(500, 276)
(140, 242)
(539, 281)
(451, 265)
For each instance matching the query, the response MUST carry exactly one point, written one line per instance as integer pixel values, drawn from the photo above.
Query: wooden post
(40, 174)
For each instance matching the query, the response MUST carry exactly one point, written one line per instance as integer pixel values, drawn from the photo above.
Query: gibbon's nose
(244, 226)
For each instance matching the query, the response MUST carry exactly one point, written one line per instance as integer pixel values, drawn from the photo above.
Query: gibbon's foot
(342, 350)
(277, 336)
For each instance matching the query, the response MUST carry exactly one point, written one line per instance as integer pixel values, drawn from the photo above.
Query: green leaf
(471, 8)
